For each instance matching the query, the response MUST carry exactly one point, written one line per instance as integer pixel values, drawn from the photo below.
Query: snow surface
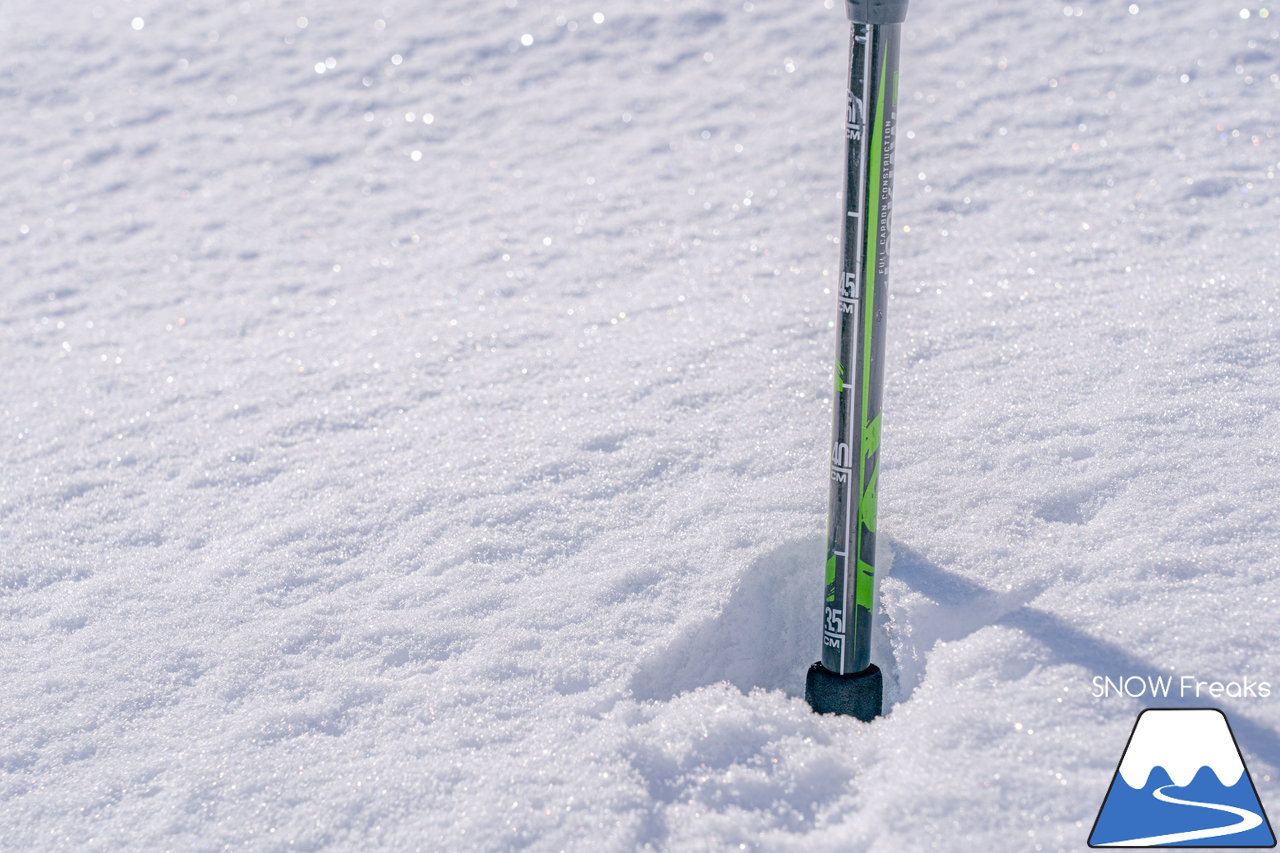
(415, 419)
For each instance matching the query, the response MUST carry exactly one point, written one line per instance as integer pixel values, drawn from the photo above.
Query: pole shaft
(855, 453)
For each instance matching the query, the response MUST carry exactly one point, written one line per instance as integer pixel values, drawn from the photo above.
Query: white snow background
(414, 419)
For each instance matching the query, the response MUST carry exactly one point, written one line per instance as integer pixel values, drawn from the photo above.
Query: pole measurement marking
(869, 146)
(852, 534)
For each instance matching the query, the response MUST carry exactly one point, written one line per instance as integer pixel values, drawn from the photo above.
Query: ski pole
(845, 681)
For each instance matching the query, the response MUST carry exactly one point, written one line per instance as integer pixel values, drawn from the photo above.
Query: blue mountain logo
(1182, 783)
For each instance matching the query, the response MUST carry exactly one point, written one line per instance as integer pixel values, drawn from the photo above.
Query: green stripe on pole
(870, 430)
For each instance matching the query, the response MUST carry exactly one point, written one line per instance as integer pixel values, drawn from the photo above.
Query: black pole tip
(858, 694)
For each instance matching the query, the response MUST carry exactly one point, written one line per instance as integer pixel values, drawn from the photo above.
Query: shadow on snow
(767, 634)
